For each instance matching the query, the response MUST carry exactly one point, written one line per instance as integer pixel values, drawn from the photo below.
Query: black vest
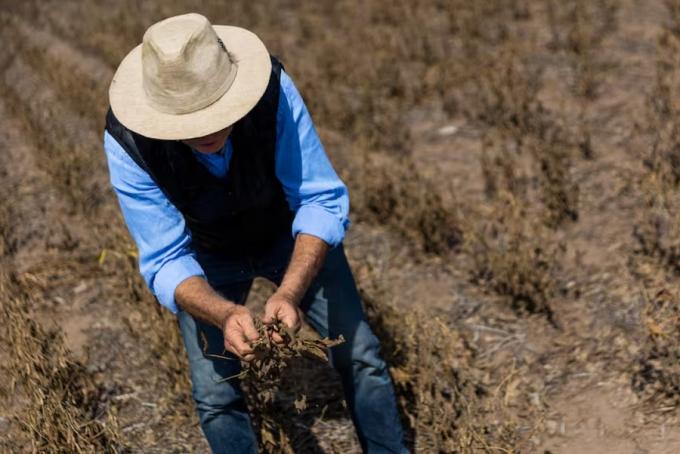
(240, 215)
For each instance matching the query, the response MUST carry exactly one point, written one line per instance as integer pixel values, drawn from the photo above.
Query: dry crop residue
(263, 375)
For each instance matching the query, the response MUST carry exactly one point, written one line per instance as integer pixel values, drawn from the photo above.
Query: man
(221, 178)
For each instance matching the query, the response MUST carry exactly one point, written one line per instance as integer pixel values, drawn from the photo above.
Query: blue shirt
(313, 191)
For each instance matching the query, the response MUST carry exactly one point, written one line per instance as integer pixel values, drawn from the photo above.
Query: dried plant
(263, 378)
(579, 28)
(558, 190)
(506, 96)
(271, 358)
(658, 231)
(64, 412)
(673, 9)
(657, 374)
(392, 193)
(515, 256)
(439, 389)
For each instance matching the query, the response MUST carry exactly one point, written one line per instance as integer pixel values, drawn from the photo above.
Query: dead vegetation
(64, 408)
(579, 29)
(656, 378)
(368, 101)
(390, 192)
(441, 392)
(271, 358)
(515, 256)
(657, 374)
(70, 162)
(66, 151)
(268, 396)
(526, 148)
(658, 233)
(673, 9)
(526, 164)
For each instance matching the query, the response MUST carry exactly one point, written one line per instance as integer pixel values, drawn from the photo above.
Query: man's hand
(281, 307)
(195, 296)
(239, 331)
(308, 257)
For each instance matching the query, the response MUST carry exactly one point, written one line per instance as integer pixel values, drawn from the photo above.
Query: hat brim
(129, 103)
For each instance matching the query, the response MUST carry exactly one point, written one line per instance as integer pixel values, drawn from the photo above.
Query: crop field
(514, 173)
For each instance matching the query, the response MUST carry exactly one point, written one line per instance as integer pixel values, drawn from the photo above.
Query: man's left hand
(280, 307)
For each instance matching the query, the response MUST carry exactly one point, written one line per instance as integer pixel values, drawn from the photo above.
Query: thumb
(249, 330)
(271, 311)
(289, 319)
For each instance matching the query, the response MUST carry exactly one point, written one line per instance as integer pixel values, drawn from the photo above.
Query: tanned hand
(195, 296)
(308, 258)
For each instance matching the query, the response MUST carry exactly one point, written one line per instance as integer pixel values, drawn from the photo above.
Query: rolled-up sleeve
(157, 227)
(313, 189)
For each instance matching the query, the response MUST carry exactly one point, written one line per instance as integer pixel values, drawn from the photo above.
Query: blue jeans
(333, 308)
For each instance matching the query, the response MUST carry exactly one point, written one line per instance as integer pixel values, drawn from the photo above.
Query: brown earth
(513, 323)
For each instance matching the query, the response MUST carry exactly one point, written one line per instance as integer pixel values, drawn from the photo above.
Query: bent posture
(221, 178)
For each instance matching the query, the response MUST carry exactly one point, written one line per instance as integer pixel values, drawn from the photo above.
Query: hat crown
(185, 65)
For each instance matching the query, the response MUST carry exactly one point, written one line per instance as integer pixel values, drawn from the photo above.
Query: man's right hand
(197, 297)
(239, 332)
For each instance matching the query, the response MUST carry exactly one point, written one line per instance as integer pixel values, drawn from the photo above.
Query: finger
(248, 329)
(239, 356)
(240, 345)
(291, 320)
(270, 311)
(276, 337)
(230, 348)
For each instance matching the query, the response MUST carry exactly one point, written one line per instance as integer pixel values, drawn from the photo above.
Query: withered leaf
(301, 403)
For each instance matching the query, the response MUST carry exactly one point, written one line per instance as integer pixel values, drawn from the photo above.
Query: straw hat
(189, 78)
